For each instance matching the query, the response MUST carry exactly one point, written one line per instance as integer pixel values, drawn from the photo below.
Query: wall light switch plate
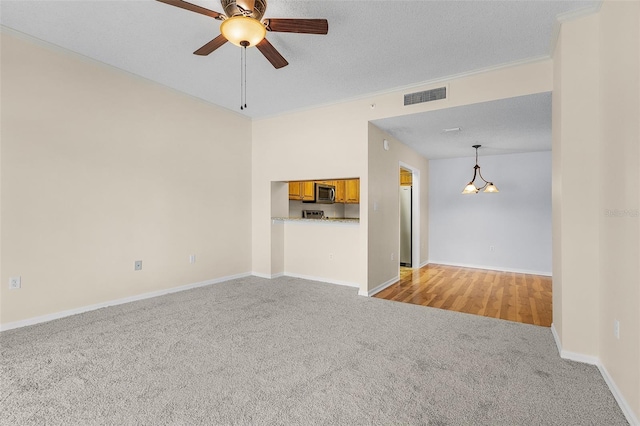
(192, 258)
(137, 266)
(15, 283)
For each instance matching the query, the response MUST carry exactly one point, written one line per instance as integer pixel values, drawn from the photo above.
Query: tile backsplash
(339, 210)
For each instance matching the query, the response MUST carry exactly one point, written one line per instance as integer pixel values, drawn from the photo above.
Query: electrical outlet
(330, 255)
(192, 258)
(392, 256)
(616, 329)
(15, 283)
(492, 248)
(137, 266)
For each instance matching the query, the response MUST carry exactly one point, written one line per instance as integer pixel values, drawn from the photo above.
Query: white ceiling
(505, 126)
(372, 46)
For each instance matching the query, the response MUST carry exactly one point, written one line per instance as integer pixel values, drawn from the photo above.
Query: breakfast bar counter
(324, 220)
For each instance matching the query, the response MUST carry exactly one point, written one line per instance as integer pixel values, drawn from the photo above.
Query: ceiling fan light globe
(470, 189)
(239, 29)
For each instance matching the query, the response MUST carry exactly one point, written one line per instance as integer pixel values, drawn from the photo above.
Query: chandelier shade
(470, 189)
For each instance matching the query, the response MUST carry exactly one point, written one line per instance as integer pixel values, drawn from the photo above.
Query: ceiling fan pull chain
(245, 76)
(241, 79)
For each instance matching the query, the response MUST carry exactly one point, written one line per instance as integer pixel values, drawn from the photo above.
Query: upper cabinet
(308, 191)
(295, 191)
(303, 191)
(406, 177)
(352, 191)
(340, 196)
(347, 190)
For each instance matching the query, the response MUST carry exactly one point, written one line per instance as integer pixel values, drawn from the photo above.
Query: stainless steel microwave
(324, 194)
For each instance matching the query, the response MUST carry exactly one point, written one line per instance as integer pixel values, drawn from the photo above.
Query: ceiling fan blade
(272, 55)
(301, 26)
(211, 46)
(192, 7)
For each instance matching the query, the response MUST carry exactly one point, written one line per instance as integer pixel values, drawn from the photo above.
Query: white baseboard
(593, 360)
(267, 276)
(626, 409)
(425, 263)
(490, 268)
(322, 279)
(379, 288)
(261, 275)
(75, 311)
(572, 356)
(556, 338)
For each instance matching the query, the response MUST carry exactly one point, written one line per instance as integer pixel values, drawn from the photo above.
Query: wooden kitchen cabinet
(347, 190)
(406, 178)
(295, 191)
(302, 190)
(340, 195)
(308, 191)
(352, 191)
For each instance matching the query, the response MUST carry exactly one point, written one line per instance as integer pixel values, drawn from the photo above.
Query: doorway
(409, 177)
(406, 204)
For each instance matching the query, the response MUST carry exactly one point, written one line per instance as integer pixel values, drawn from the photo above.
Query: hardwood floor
(515, 297)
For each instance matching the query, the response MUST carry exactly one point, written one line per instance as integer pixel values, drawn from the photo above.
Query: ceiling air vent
(426, 96)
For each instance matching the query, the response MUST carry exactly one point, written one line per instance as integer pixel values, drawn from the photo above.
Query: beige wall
(279, 208)
(101, 168)
(384, 219)
(575, 167)
(619, 150)
(323, 251)
(333, 142)
(556, 190)
(596, 176)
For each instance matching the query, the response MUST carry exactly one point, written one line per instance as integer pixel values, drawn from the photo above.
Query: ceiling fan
(242, 25)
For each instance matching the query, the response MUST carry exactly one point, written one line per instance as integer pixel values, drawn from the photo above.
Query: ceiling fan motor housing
(237, 8)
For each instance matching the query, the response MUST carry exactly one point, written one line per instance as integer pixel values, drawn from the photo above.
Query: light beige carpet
(290, 351)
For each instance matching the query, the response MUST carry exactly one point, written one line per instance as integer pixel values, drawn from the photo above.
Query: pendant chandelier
(471, 187)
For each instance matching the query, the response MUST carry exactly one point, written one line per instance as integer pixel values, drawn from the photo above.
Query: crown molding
(570, 16)
(423, 85)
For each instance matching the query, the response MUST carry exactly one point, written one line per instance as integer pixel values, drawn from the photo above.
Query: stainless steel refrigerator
(405, 225)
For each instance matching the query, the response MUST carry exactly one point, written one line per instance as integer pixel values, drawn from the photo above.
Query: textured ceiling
(506, 126)
(372, 46)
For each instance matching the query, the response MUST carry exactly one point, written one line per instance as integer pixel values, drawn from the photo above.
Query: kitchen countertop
(326, 220)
